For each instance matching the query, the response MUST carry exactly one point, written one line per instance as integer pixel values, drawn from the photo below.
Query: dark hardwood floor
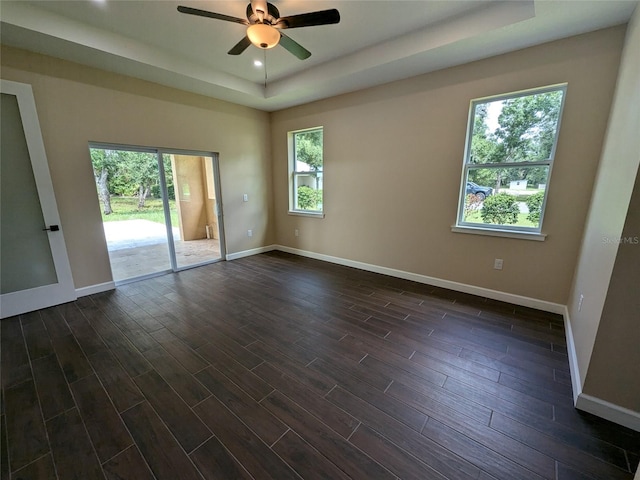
(280, 367)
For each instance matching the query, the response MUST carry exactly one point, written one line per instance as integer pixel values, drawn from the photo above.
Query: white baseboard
(588, 403)
(574, 370)
(436, 282)
(248, 253)
(91, 289)
(609, 411)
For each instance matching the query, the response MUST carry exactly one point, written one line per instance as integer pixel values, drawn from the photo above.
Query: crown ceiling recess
(367, 43)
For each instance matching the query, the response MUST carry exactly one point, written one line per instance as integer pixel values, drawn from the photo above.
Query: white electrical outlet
(245, 197)
(497, 264)
(580, 302)
(296, 232)
(249, 233)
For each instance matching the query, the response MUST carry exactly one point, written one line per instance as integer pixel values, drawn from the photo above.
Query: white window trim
(537, 236)
(291, 174)
(527, 233)
(305, 213)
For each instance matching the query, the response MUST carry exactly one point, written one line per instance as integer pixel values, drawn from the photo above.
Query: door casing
(63, 291)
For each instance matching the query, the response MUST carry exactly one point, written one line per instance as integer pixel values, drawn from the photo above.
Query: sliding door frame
(218, 205)
(160, 152)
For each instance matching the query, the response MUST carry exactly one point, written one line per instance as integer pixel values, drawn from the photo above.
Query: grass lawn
(126, 208)
(475, 217)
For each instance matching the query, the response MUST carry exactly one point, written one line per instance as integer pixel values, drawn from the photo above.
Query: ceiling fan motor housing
(271, 16)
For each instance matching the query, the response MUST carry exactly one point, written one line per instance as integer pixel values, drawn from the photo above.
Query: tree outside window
(507, 166)
(127, 173)
(306, 170)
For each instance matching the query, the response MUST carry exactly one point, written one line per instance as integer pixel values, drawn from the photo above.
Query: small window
(511, 143)
(306, 171)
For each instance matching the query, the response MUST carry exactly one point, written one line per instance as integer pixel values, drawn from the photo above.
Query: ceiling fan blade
(240, 47)
(217, 16)
(294, 47)
(323, 17)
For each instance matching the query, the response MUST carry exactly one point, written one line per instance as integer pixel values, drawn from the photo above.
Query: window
(511, 142)
(305, 171)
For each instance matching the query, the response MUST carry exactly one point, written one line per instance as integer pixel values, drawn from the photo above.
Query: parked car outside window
(479, 191)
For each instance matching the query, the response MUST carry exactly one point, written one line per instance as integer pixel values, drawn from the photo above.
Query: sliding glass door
(195, 206)
(160, 209)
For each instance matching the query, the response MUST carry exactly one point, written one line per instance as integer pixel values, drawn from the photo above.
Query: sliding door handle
(52, 228)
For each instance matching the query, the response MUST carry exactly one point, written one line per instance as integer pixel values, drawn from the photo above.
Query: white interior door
(34, 266)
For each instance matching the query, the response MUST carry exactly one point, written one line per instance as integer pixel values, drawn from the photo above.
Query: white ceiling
(376, 41)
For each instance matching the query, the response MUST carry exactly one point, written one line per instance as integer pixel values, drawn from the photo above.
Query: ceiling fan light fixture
(263, 36)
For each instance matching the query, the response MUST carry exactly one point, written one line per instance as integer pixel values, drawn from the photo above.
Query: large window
(511, 143)
(305, 171)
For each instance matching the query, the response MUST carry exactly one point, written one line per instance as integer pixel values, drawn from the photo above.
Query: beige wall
(614, 369)
(77, 104)
(393, 162)
(608, 273)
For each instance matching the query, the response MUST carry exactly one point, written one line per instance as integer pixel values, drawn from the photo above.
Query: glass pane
(192, 202)
(308, 151)
(308, 188)
(510, 197)
(25, 253)
(128, 187)
(516, 129)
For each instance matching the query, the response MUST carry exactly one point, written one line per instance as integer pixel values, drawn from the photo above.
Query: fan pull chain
(264, 51)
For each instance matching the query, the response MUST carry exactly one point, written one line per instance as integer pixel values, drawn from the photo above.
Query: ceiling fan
(265, 26)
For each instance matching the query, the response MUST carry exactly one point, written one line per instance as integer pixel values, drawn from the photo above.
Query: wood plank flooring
(281, 367)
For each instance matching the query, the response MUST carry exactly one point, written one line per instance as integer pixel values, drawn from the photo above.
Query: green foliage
(537, 175)
(130, 173)
(155, 191)
(534, 203)
(309, 148)
(121, 184)
(485, 177)
(474, 217)
(525, 132)
(126, 208)
(500, 209)
(141, 171)
(309, 198)
(528, 125)
(483, 145)
(103, 160)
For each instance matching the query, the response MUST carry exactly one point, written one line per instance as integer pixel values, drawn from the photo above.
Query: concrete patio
(139, 247)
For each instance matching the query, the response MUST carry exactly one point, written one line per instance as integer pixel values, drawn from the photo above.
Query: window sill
(306, 214)
(539, 237)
